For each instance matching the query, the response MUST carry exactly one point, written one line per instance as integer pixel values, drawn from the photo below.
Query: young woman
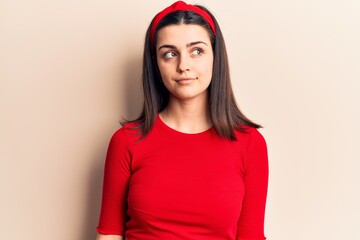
(192, 166)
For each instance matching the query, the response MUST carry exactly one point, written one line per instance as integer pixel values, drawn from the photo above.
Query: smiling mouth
(187, 79)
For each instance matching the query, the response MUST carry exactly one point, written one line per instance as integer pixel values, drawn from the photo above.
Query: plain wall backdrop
(70, 70)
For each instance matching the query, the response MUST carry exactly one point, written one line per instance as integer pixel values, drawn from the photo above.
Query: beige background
(70, 70)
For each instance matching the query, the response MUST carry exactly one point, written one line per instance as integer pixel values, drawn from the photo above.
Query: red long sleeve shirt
(178, 186)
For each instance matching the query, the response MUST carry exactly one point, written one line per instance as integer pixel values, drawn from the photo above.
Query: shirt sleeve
(116, 176)
(251, 222)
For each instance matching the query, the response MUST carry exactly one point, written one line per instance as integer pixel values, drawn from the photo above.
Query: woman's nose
(184, 63)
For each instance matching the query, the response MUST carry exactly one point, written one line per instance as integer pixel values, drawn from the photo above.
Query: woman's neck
(188, 116)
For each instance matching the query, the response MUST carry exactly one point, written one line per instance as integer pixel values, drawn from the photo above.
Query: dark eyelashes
(175, 53)
(169, 52)
(198, 49)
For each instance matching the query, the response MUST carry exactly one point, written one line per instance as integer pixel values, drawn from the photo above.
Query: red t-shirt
(177, 186)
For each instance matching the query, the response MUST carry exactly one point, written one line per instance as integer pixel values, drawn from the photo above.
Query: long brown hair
(226, 115)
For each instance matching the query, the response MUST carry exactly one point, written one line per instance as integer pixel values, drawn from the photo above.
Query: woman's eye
(169, 54)
(197, 52)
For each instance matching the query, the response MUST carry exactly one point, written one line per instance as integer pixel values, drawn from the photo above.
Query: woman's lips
(185, 80)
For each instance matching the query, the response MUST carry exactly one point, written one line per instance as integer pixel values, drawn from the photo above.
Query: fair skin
(108, 237)
(185, 59)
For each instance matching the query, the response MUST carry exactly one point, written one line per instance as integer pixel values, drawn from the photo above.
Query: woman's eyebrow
(194, 43)
(187, 45)
(167, 46)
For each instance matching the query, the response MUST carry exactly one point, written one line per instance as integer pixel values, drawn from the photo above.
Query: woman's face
(185, 59)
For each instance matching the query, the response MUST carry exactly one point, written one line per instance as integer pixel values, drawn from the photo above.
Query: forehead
(182, 34)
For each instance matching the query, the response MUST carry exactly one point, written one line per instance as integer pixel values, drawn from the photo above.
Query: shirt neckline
(164, 125)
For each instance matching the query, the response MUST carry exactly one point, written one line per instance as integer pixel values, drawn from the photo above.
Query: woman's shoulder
(250, 134)
(255, 147)
(128, 132)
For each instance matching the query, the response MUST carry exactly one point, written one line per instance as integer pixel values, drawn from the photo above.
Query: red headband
(180, 6)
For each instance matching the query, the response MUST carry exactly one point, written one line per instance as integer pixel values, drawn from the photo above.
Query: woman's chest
(187, 182)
